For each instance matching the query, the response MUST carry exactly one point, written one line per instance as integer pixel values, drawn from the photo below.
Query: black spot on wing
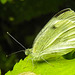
(62, 11)
(54, 27)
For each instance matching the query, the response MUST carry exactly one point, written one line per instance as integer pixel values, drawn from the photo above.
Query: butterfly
(57, 38)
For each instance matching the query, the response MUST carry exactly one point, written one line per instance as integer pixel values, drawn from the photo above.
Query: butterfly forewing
(58, 36)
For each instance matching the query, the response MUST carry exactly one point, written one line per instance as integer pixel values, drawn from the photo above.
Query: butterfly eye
(27, 51)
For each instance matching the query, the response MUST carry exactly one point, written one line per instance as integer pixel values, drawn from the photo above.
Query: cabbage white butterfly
(56, 38)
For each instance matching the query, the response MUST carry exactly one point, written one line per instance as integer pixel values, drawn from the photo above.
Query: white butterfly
(56, 38)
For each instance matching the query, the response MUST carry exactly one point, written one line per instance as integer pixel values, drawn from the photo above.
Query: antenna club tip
(7, 32)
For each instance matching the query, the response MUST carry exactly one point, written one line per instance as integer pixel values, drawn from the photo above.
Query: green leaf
(3, 1)
(55, 66)
(0, 71)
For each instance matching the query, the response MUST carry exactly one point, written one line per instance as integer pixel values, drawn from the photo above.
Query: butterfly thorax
(34, 56)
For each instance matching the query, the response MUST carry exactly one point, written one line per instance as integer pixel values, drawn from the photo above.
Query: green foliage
(55, 66)
(5, 61)
(22, 10)
(3, 1)
(0, 71)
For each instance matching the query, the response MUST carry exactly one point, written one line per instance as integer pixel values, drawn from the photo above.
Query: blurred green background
(24, 19)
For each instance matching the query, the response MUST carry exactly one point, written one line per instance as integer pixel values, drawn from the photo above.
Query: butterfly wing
(58, 36)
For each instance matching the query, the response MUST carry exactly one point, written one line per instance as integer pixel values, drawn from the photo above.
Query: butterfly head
(28, 51)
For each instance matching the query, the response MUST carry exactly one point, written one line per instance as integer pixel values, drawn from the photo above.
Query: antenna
(16, 40)
(14, 53)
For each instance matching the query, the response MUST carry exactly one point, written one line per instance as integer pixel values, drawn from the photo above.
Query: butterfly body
(56, 38)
